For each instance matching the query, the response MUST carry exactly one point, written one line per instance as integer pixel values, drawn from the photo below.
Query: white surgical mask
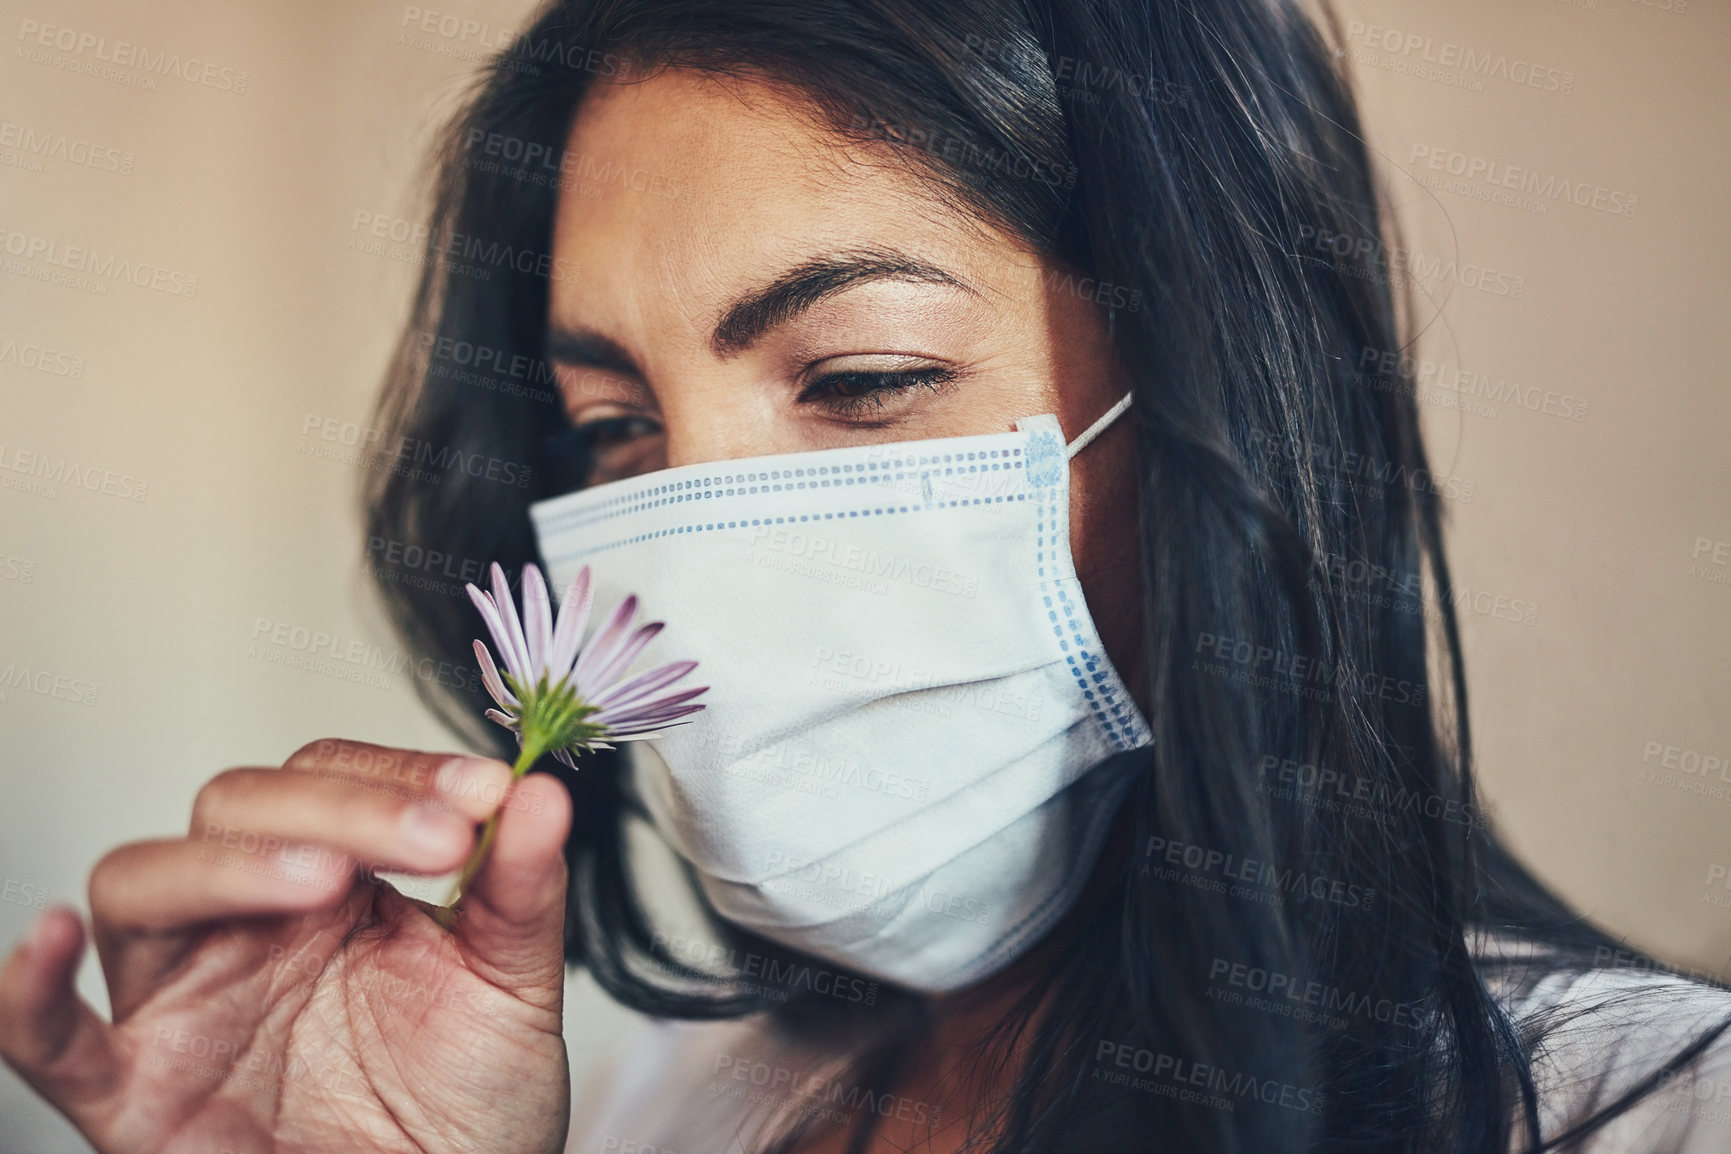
(906, 690)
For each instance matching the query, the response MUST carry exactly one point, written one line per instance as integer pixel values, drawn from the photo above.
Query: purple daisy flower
(562, 697)
(571, 696)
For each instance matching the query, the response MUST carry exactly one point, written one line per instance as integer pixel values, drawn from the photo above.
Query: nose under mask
(907, 693)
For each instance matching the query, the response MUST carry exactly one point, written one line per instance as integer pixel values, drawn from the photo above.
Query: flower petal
(648, 728)
(643, 684)
(627, 652)
(501, 638)
(573, 618)
(565, 758)
(648, 716)
(490, 677)
(513, 627)
(504, 719)
(603, 646)
(537, 618)
(633, 711)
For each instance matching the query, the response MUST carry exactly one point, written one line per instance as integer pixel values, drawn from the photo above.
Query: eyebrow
(752, 314)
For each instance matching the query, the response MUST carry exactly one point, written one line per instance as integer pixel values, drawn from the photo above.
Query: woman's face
(745, 282)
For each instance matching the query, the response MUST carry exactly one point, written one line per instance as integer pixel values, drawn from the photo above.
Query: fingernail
(466, 777)
(33, 937)
(433, 831)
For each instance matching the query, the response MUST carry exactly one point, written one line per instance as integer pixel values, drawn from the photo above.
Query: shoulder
(679, 1087)
(1598, 1033)
(646, 1089)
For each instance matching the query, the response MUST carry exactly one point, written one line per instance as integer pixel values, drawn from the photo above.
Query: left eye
(853, 395)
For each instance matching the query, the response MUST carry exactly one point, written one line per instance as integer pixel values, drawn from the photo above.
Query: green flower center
(553, 717)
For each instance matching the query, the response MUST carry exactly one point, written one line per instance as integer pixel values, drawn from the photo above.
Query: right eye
(606, 449)
(611, 432)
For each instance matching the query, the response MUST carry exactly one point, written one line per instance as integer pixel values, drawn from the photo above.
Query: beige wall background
(1600, 707)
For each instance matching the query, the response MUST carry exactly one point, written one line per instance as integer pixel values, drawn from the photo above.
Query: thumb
(512, 922)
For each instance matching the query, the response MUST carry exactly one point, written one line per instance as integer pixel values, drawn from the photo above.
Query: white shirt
(727, 1087)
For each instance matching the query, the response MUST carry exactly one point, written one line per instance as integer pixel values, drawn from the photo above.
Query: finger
(48, 1034)
(512, 922)
(155, 887)
(269, 811)
(150, 902)
(475, 785)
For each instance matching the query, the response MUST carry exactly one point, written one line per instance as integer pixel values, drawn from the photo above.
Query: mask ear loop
(1099, 426)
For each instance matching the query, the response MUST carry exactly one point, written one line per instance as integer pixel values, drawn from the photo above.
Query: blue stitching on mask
(678, 492)
(1114, 717)
(814, 477)
(1045, 459)
(701, 527)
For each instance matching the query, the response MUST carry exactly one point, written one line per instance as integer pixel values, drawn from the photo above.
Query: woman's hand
(269, 995)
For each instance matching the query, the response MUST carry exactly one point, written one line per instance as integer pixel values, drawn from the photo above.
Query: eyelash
(857, 408)
(881, 384)
(581, 443)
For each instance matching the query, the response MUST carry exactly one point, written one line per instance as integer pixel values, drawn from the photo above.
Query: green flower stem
(446, 915)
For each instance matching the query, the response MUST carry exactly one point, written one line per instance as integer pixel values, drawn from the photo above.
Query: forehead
(682, 187)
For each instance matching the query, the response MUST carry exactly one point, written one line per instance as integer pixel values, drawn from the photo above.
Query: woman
(1212, 879)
